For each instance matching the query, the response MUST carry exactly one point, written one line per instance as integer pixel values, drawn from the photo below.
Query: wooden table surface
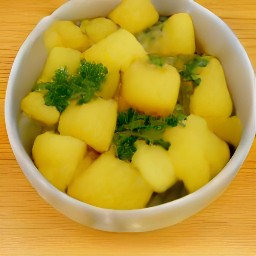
(29, 226)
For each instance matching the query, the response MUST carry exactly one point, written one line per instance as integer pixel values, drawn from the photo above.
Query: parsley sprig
(189, 73)
(132, 126)
(65, 87)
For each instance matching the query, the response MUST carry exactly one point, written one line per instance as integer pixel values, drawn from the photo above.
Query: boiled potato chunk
(134, 15)
(90, 157)
(98, 28)
(190, 166)
(60, 57)
(189, 162)
(33, 105)
(111, 183)
(154, 164)
(178, 35)
(150, 88)
(117, 50)
(57, 157)
(211, 98)
(216, 150)
(66, 34)
(175, 36)
(227, 128)
(93, 122)
(110, 86)
(196, 153)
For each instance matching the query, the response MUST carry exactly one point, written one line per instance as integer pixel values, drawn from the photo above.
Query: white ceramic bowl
(216, 39)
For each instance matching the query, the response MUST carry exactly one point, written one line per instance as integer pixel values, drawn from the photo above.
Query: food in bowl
(27, 69)
(131, 112)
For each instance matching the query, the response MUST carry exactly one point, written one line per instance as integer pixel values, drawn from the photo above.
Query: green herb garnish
(189, 69)
(65, 87)
(132, 126)
(150, 35)
(189, 73)
(156, 60)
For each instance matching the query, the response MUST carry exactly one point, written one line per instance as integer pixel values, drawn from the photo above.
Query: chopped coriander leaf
(125, 146)
(187, 65)
(180, 114)
(95, 73)
(186, 90)
(151, 34)
(156, 60)
(65, 87)
(164, 144)
(162, 60)
(189, 71)
(158, 26)
(132, 126)
(190, 79)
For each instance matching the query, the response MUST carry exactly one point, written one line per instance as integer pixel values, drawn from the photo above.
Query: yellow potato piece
(57, 157)
(190, 166)
(93, 122)
(178, 37)
(66, 34)
(83, 165)
(229, 129)
(197, 154)
(155, 165)
(33, 105)
(215, 149)
(98, 28)
(211, 98)
(116, 51)
(60, 57)
(111, 183)
(134, 15)
(151, 89)
(110, 86)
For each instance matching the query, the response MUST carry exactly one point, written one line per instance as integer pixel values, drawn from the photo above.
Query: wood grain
(29, 226)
